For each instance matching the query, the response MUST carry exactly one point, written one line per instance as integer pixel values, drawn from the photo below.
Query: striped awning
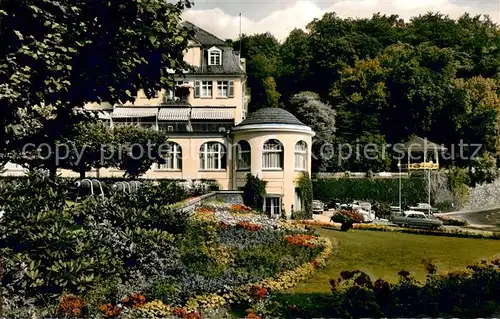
(174, 114)
(212, 113)
(128, 112)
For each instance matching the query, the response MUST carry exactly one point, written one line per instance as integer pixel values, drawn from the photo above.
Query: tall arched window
(301, 156)
(272, 155)
(212, 156)
(172, 157)
(243, 155)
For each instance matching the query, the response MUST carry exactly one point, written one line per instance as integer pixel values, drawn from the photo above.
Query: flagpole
(240, 33)
(399, 165)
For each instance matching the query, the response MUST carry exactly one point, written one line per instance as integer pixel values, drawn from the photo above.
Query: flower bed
(440, 232)
(452, 221)
(122, 258)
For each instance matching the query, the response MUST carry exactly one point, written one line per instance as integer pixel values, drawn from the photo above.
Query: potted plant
(346, 218)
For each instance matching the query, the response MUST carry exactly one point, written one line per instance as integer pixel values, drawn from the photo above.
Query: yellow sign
(428, 165)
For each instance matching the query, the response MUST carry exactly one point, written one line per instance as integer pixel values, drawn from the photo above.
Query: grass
(384, 254)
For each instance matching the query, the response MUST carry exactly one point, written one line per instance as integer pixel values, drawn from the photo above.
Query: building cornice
(275, 128)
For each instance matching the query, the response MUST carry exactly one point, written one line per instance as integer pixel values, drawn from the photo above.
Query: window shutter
(197, 87)
(230, 89)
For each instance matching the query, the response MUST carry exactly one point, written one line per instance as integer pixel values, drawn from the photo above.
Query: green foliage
(355, 295)
(346, 216)
(86, 147)
(484, 170)
(320, 116)
(137, 149)
(343, 190)
(382, 210)
(262, 54)
(44, 65)
(306, 193)
(254, 192)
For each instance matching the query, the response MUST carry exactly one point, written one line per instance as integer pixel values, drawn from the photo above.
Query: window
(243, 155)
(225, 88)
(222, 88)
(301, 156)
(297, 200)
(203, 89)
(272, 155)
(272, 205)
(173, 157)
(212, 156)
(214, 56)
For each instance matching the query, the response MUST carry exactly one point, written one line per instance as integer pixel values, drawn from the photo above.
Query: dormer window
(214, 56)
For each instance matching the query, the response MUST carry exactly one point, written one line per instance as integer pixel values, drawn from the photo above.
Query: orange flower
(110, 311)
(248, 226)
(203, 210)
(71, 306)
(301, 240)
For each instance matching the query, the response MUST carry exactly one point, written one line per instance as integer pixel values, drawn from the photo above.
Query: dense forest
(382, 80)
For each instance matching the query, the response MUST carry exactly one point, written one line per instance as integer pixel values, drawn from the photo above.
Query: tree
(476, 38)
(136, 149)
(88, 147)
(475, 112)
(296, 57)
(407, 83)
(320, 116)
(262, 54)
(63, 54)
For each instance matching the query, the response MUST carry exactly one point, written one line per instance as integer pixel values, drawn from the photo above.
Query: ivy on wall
(306, 194)
(254, 192)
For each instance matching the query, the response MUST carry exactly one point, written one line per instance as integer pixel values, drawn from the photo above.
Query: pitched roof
(203, 37)
(418, 144)
(230, 64)
(230, 59)
(271, 115)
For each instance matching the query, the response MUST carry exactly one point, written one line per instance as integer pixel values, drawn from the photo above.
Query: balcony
(195, 127)
(179, 96)
(151, 125)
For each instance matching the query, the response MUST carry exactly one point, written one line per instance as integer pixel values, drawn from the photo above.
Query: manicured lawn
(384, 254)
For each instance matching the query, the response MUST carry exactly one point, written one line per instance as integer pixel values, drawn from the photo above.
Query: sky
(279, 17)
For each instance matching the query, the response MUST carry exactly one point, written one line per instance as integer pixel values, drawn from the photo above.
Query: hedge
(344, 190)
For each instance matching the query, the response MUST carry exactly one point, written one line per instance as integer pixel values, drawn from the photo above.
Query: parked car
(368, 215)
(411, 218)
(318, 207)
(423, 207)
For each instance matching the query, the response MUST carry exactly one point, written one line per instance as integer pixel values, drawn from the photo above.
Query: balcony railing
(151, 125)
(196, 127)
(183, 127)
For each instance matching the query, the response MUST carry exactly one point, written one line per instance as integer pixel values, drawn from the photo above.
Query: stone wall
(228, 197)
(484, 196)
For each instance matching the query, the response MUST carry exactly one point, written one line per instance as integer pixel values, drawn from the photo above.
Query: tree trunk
(82, 172)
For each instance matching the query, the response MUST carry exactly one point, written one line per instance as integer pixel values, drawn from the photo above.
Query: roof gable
(203, 37)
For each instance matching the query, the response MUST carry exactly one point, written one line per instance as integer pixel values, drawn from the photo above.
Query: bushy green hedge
(344, 190)
(471, 293)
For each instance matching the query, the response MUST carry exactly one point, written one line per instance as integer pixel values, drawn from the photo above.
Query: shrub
(444, 206)
(254, 192)
(382, 210)
(467, 294)
(452, 221)
(301, 215)
(381, 190)
(345, 216)
(305, 189)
